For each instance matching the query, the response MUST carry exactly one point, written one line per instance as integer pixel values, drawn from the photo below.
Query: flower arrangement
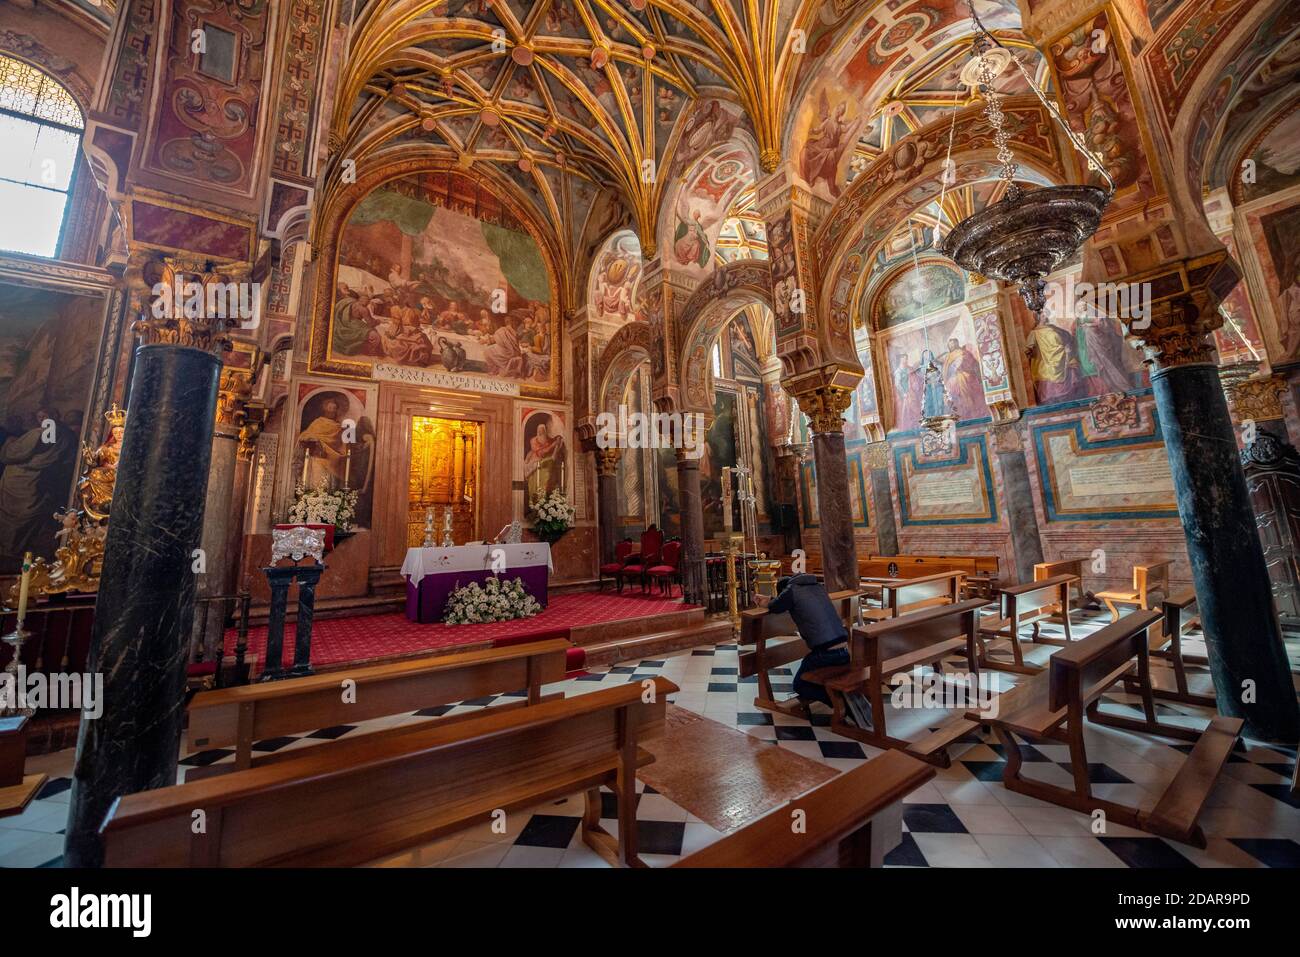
(324, 506)
(495, 600)
(552, 516)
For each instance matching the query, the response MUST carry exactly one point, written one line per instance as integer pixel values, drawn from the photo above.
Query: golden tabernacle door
(444, 473)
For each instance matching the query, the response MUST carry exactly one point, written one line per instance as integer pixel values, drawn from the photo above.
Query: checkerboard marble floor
(962, 818)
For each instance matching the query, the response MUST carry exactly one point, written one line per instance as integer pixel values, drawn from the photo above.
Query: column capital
(1007, 437)
(1251, 395)
(607, 461)
(1182, 310)
(825, 407)
(877, 455)
(232, 396)
(184, 300)
(254, 420)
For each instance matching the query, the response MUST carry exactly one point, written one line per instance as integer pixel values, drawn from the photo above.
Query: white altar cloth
(472, 558)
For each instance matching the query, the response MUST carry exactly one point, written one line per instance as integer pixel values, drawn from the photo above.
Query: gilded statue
(96, 485)
(79, 557)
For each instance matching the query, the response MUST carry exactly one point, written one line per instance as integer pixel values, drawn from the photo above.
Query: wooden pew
(1026, 604)
(981, 570)
(900, 596)
(1165, 643)
(360, 800)
(1052, 706)
(243, 715)
(1149, 580)
(882, 649)
(853, 820)
(1066, 566)
(758, 628)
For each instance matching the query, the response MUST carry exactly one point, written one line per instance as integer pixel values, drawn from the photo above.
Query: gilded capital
(825, 407)
(607, 461)
(1175, 330)
(1250, 395)
(187, 301)
(232, 394)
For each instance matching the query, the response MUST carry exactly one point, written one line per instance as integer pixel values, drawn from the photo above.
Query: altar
(432, 574)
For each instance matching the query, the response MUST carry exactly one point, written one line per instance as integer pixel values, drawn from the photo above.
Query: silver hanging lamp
(1027, 234)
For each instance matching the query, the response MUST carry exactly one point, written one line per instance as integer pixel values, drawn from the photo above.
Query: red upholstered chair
(621, 552)
(670, 570)
(652, 543)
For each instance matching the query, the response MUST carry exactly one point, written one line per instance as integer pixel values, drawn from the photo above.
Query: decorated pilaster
(825, 409)
(1243, 637)
(1272, 468)
(876, 459)
(215, 557)
(1018, 497)
(607, 492)
(692, 505)
(144, 611)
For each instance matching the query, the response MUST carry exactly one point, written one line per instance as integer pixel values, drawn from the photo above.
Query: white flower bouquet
(324, 506)
(495, 600)
(552, 516)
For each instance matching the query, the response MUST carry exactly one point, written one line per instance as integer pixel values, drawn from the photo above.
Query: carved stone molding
(825, 408)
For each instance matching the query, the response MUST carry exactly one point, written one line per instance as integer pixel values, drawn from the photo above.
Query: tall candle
(306, 460)
(22, 588)
(347, 469)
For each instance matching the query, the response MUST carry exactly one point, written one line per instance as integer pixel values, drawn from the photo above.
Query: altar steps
(638, 647)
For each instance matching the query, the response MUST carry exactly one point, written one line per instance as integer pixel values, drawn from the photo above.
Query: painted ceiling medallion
(489, 117)
(522, 55)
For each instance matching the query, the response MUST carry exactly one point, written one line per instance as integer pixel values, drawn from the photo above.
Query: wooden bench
(1149, 580)
(981, 570)
(853, 820)
(243, 715)
(360, 800)
(882, 649)
(1066, 566)
(1052, 706)
(1021, 605)
(758, 627)
(899, 596)
(1165, 643)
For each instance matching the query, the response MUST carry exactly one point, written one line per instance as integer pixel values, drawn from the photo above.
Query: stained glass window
(40, 137)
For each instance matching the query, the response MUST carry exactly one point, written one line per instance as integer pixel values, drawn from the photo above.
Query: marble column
(607, 492)
(144, 611)
(1018, 498)
(1244, 641)
(825, 407)
(882, 499)
(692, 518)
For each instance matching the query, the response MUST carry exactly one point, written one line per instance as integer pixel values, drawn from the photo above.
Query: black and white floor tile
(962, 818)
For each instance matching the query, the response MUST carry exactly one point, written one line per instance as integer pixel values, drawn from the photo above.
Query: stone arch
(702, 317)
(1197, 105)
(629, 347)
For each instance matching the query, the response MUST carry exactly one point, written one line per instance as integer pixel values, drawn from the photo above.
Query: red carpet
(366, 637)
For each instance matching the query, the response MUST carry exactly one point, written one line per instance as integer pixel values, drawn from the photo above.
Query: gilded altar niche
(444, 477)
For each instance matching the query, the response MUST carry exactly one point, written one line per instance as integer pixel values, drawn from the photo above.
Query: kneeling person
(819, 625)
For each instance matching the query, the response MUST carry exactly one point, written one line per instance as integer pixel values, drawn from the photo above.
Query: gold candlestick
(15, 641)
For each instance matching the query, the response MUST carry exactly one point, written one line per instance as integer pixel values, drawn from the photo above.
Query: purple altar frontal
(432, 574)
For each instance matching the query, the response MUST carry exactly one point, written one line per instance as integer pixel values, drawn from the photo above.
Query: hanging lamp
(1027, 234)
